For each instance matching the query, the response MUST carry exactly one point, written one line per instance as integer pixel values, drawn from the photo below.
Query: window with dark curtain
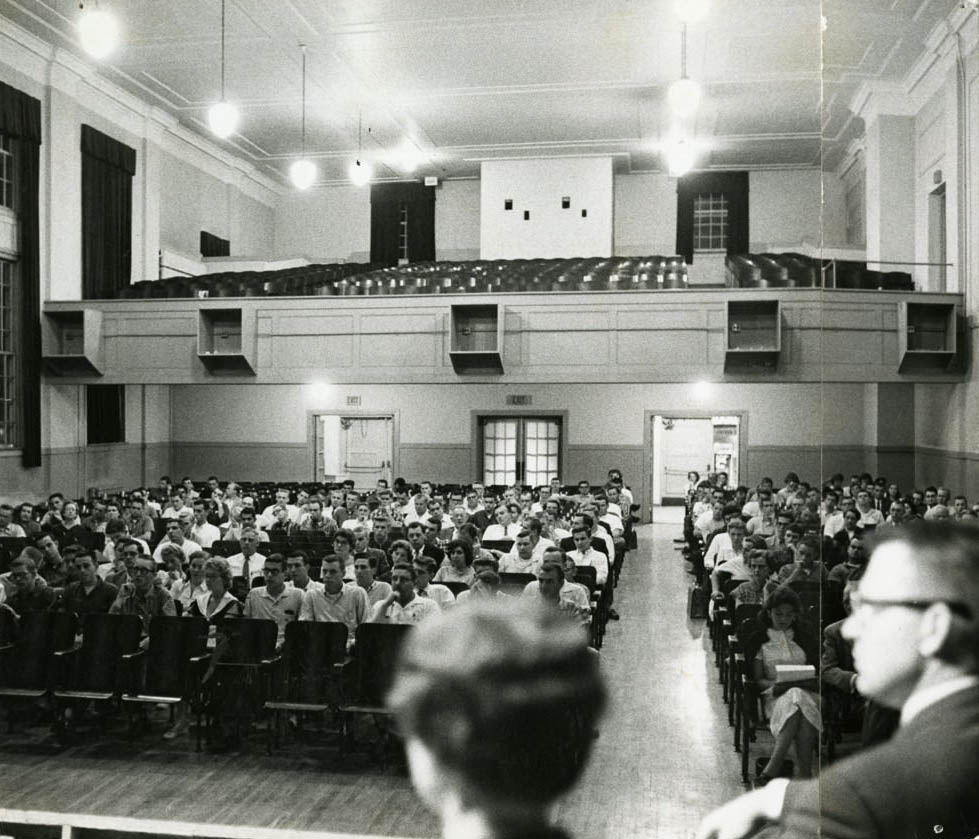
(212, 245)
(106, 413)
(108, 167)
(387, 202)
(734, 187)
(20, 123)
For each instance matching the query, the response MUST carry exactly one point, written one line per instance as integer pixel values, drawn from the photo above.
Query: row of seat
(307, 280)
(795, 270)
(734, 630)
(450, 277)
(244, 675)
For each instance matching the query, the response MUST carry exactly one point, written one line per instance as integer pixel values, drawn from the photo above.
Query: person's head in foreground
(493, 722)
(914, 626)
(915, 613)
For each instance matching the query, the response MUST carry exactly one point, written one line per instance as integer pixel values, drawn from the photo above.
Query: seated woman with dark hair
(499, 724)
(794, 715)
(457, 566)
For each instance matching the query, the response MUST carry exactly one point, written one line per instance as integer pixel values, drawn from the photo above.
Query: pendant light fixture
(223, 116)
(684, 93)
(303, 171)
(691, 11)
(98, 30)
(360, 170)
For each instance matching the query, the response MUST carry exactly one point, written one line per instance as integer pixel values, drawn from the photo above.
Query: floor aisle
(665, 755)
(663, 758)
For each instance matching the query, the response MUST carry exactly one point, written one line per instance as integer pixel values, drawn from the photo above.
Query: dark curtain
(386, 203)
(108, 167)
(734, 185)
(106, 409)
(212, 245)
(20, 119)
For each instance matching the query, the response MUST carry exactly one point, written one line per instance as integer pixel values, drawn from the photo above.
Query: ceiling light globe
(360, 172)
(680, 158)
(691, 11)
(684, 97)
(223, 119)
(98, 31)
(303, 173)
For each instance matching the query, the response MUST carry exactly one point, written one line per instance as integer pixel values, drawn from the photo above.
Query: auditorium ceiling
(466, 81)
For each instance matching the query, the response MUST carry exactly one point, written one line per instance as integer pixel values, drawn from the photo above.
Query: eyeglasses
(859, 601)
(143, 571)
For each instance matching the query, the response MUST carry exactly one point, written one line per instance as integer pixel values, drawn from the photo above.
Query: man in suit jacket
(915, 633)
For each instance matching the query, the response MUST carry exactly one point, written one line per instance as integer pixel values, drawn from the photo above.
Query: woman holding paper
(791, 701)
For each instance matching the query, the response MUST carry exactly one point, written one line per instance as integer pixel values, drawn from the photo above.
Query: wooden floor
(663, 758)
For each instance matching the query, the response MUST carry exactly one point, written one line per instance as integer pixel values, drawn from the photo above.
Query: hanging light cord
(683, 51)
(223, 98)
(304, 101)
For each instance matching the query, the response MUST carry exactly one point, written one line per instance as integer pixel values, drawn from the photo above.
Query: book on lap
(794, 673)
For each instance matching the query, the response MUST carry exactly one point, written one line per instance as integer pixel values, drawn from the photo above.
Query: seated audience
(202, 531)
(192, 584)
(275, 601)
(365, 569)
(30, 592)
(424, 587)
(337, 600)
(794, 715)
(9, 529)
(403, 605)
(297, 570)
(585, 554)
(551, 588)
(89, 593)
(249, 563)
(218, 602)
(504, 528)
(142, 596)
(175, 535)
(457, 567)
(752, 591)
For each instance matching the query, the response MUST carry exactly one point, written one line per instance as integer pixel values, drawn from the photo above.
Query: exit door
(354, 448)
(705, 445)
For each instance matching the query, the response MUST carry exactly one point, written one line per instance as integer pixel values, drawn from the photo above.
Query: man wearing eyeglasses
(914, 625)
(142, 597)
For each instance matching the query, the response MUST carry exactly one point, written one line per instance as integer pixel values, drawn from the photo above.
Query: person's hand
(742, 816)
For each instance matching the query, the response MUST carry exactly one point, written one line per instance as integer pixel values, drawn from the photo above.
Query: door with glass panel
(523, 450)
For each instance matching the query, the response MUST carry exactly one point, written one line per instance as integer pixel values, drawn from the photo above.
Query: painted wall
(333, 223)
(932, 126)
(71, 466)
(645, 215)
(537, 187)
(457, 220)
(250, 432)
(783, 208)
(192, 200)
(325, 225)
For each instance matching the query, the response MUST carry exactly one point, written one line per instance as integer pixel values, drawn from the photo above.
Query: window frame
(480, 417)
(715, 217)
(11, 420)
(116, 394)
(8, 174)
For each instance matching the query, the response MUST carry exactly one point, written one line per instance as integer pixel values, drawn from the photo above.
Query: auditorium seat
(305, 677)
(170, 669)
